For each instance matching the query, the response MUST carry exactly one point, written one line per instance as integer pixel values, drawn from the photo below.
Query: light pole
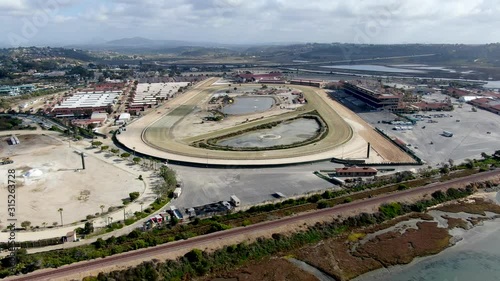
(133, 151)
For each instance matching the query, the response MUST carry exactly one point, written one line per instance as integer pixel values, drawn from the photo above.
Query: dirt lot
(47, 179)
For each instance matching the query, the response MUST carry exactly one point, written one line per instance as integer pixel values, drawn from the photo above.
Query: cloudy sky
(60, 22)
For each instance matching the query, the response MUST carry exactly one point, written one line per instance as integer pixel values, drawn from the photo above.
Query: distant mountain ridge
(142, 44)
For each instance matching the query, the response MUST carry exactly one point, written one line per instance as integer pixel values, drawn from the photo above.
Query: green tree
(115, 150)
(96, 143)
(26, 224)
(444, 170)
(485, 156)
(169, 176)
(134, 195)
(125, 155)
(137, 160)
(60, 210)
(88, 228)
(104, 147)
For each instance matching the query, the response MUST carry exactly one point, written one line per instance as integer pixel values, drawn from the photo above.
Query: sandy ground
(59, 186)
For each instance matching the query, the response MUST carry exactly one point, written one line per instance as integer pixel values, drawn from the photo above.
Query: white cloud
(376, 21)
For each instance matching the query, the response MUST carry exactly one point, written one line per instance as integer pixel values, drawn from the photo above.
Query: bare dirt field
(47, 178)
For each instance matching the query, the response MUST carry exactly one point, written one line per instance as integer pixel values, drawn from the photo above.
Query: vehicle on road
(447, 134)
(6, 161)
(235, 200)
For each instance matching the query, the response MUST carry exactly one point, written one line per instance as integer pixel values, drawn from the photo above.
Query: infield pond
(286, 133)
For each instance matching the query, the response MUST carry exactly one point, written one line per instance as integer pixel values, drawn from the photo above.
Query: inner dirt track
(153, 135)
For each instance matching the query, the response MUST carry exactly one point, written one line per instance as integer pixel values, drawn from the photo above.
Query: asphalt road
(150, 253)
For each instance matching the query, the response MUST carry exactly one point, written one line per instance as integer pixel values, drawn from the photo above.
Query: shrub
(348, 200)
(323, 204)
(134, 195)
(391, 210)
(402, 186)
(315, 198)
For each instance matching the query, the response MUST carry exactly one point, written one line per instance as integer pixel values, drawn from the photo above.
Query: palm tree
(60, 210)
(102, 208)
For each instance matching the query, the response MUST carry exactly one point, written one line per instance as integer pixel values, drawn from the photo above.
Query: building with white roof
(86, 103)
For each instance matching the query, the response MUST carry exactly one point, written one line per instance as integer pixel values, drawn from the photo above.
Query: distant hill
(149, 43)
(141, 45)
(314, 52)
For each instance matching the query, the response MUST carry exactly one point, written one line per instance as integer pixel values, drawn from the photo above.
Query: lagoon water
(285, 133)
(493, 85)
(370, 67)
(475, 258)
(247, 105)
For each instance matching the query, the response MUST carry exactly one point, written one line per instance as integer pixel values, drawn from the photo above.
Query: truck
(5, 161)
(177, 192)
(235, 200)
(447, 134)
(176, 213)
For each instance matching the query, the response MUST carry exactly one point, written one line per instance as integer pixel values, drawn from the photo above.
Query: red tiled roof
(482, 101)
(355, 169)
(307, 80)
(400, 142)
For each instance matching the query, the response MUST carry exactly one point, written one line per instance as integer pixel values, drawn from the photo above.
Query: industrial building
(86, 103)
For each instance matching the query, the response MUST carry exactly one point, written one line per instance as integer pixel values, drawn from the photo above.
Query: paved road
(150, 253)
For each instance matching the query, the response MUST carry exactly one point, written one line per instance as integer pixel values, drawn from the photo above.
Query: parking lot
(252, 186)
(474, 133)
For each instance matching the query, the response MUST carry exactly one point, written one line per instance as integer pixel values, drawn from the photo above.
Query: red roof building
(251, 77)
(355, 171)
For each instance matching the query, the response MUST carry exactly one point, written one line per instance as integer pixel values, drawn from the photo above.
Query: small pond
(286, 133)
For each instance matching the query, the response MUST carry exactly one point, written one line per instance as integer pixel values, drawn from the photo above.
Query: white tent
(33, 173)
